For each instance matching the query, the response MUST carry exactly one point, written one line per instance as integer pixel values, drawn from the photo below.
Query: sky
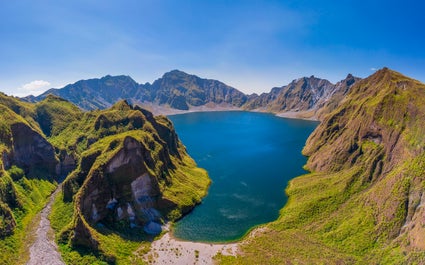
(250, 45)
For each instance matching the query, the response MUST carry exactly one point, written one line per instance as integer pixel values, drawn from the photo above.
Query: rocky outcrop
(68, 162)
(125, 192)
(23, 145)
(307, 97)
(32, 152)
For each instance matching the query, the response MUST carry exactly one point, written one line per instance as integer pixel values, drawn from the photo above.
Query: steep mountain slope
(305, 97)
(129, 174)
(28, 166)
(133, 174)
(94, 93)
(174, 89)
(22, 142)
(180, 91)
(363, 201)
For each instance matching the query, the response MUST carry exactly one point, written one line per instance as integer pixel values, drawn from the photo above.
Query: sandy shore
(297, 115)
(164, 110)
(168, 250)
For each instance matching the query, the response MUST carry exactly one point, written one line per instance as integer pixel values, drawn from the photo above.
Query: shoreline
(169, 250)
(164, 110)
(167, 111)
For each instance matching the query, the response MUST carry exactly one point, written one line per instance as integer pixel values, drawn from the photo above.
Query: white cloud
(373, 69)
(35, 88)
(35, 85)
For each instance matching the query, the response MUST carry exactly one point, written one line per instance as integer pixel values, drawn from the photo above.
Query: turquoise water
(250, 157)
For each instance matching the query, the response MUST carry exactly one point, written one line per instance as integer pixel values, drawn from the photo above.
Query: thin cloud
(35, 88)
(373, 69)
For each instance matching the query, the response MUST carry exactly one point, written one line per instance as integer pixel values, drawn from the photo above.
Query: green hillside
(124, 152)
(363, 201)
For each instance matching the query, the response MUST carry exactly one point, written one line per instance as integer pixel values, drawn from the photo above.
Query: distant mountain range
(174, 89)
(307, 97)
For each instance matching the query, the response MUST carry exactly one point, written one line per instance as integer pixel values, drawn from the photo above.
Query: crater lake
(250, 157)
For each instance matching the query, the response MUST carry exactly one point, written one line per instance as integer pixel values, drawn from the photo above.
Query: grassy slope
(360, 203)
(23, 197)
(72, 131)
(33, 194)
(185, 184)
(54, 114)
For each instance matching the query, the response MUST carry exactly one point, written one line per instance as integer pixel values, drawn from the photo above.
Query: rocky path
(44, 250)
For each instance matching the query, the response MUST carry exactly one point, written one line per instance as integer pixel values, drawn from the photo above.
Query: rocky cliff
(25, 154)
(24, 145)
(307, 97)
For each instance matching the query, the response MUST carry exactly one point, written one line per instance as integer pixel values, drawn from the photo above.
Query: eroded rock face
(33, 152)
(67, 163)
(125, 191)
(416, 226)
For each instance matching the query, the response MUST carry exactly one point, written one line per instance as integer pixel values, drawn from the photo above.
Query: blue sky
(251, 45)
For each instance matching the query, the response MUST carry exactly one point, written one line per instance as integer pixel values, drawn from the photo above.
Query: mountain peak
(386, 74)
(53, 97)
(175, 72)
(123, 77)
(349, 76)
(122, 105)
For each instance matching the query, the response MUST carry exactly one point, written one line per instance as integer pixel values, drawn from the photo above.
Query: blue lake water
(250, 157)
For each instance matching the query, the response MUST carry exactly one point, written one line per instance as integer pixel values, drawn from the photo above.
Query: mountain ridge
(125, 168)
(306, 97)
(175, 89)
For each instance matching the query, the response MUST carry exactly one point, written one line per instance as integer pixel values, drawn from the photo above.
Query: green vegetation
(87, 142)
(54, 114)
(32, 195)
(23, 189)
(102, 138)
(360, 203)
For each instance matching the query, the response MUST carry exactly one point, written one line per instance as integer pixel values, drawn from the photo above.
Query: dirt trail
(44, 250)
